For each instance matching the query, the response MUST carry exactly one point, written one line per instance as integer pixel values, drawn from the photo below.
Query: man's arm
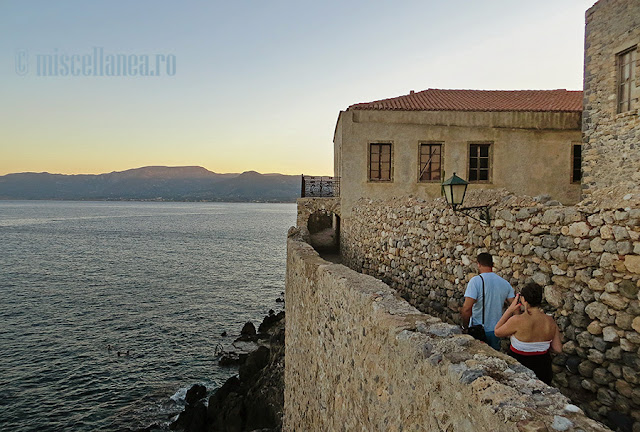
(509, 301)
(466, 310)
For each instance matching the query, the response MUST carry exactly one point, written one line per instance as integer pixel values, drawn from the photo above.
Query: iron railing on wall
(317, 186)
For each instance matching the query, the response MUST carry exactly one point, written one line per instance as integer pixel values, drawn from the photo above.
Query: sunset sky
(257, 85)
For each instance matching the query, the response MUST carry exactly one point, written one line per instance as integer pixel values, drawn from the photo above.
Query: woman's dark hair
(532, 293)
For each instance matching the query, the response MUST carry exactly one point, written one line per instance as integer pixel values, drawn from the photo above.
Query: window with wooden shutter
(627, 80)
(380, 161)
(430, 162)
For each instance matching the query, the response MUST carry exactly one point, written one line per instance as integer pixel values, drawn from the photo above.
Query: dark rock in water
(223, 334)
(255, 362)
(232, 358)
(192, 419)
(229, 359)
(269, 321)
(195, 393)
(199, 418)
(248, 333)
(263, 336)
(216, 399)
(232, 385)
(194, 416)
(225, 407)
(271, 312)
(231, 417)
(253, 400)
(279, 300)
(265, 397)
(248, 329)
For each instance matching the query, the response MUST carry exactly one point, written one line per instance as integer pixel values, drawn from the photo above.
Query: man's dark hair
(532, 293)
(485, 259)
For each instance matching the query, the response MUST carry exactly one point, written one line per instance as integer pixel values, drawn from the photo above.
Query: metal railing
(317, 187)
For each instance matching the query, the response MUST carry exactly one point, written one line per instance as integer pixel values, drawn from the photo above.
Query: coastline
(250, 400)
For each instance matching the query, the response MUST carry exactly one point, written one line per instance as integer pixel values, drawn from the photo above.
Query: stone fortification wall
(309, 206)
(587, 260)
(360, 358)
(611, 154)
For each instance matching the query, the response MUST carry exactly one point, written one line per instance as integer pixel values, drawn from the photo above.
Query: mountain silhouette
(190, 183)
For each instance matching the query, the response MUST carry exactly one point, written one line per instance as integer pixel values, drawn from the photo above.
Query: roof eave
(352, 108)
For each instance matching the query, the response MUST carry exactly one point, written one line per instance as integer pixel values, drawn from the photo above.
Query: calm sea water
(161, 280)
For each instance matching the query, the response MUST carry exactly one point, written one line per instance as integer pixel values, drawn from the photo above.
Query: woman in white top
(532, 332)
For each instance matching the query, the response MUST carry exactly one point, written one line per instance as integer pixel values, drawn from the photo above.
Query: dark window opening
(576, 166)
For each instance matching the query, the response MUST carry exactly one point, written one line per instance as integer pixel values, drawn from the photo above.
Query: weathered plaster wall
(359, 358)
(337, 148)
(611, 153)
(587, 259)
(531, 152)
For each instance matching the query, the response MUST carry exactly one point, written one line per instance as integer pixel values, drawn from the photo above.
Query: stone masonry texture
(308, 206)
(586, 258)
(360, 358)
(611, 149)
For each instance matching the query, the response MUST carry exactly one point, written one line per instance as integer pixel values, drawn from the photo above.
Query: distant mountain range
(157, 183)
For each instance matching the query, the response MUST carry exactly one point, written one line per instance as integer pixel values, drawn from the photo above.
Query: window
(479, 162)
(430, 162)
(626, 79)
(576, 164)
(380, 161)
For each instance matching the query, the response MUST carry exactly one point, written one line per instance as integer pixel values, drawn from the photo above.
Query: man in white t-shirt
(497, 293)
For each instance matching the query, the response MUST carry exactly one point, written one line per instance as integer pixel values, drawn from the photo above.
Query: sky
(250, 84)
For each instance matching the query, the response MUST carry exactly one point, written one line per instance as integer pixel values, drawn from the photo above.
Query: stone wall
(360, 358)
(308, 206)
(587, 260)
(611, 150)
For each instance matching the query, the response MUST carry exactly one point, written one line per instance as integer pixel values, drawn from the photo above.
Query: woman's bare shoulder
(550, 318)
(518, 319)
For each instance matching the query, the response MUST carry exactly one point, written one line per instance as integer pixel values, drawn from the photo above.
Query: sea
(110, 311)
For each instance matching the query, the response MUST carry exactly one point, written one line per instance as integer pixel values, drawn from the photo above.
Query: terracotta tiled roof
(480, 100)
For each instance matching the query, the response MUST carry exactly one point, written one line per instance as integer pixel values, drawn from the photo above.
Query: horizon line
(149, 166)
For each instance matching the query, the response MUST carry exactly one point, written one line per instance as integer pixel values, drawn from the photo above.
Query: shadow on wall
(324, 231)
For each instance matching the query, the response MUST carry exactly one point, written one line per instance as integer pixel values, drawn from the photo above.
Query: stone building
(611, 126)
(525, 141)
(392, 155)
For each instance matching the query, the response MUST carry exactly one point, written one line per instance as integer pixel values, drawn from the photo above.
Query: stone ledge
(465, 382)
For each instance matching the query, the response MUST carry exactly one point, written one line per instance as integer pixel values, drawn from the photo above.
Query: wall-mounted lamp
(455, 189)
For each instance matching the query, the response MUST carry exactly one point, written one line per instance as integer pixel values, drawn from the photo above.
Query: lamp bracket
(482, 213)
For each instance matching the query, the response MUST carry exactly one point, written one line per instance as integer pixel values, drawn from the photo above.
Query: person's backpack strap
(482, 299)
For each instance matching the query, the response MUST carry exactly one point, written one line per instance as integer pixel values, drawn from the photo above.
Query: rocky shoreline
(253, 400)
